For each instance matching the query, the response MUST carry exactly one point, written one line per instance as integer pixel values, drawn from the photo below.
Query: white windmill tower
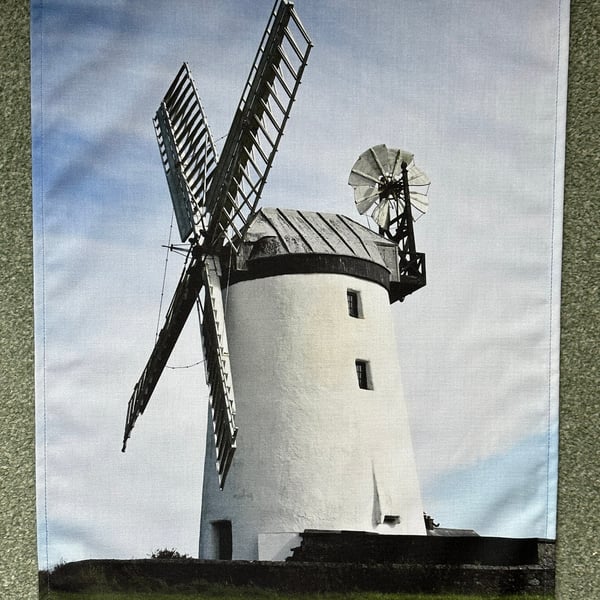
(296, 321)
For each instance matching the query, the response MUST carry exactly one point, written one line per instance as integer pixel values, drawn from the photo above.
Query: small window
(362, 374)
(354, 309)
(391, 519)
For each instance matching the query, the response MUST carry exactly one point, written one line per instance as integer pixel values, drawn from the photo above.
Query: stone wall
(191, 574)
(361, 547)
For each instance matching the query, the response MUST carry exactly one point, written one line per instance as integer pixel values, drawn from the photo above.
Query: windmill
(214, 200)
(296, 319)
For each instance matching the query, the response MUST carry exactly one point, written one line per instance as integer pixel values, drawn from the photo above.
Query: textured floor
(579, 486)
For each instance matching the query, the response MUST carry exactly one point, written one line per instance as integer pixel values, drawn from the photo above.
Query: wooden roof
(304, 232)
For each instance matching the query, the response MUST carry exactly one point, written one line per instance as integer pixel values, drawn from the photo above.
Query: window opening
(353, 303)
(362, 374)
(391, 519)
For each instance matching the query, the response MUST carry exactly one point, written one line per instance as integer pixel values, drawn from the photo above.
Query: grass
(97, 580)
(247, 593)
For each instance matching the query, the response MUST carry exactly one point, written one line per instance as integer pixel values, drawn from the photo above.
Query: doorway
(223, 539)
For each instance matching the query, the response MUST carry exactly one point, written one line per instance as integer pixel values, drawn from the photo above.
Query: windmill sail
(187, 151)
(373, 177)
(217, 368)
(258, 124)
(214, 200)
(185, 296)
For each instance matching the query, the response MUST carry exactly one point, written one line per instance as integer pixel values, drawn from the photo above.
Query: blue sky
(469, 87)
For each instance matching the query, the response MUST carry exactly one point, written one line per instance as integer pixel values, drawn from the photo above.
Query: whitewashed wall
(314, 450)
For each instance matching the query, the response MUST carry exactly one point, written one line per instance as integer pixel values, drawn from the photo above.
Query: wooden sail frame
(214, 200)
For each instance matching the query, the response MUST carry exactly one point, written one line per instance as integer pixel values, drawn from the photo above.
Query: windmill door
(223, 539)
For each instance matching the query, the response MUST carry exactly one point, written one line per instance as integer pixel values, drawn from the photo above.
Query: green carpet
(579, 485)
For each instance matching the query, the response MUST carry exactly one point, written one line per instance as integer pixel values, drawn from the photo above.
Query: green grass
(237, 593)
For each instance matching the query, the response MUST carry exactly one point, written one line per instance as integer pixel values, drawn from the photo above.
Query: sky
(473, 89)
